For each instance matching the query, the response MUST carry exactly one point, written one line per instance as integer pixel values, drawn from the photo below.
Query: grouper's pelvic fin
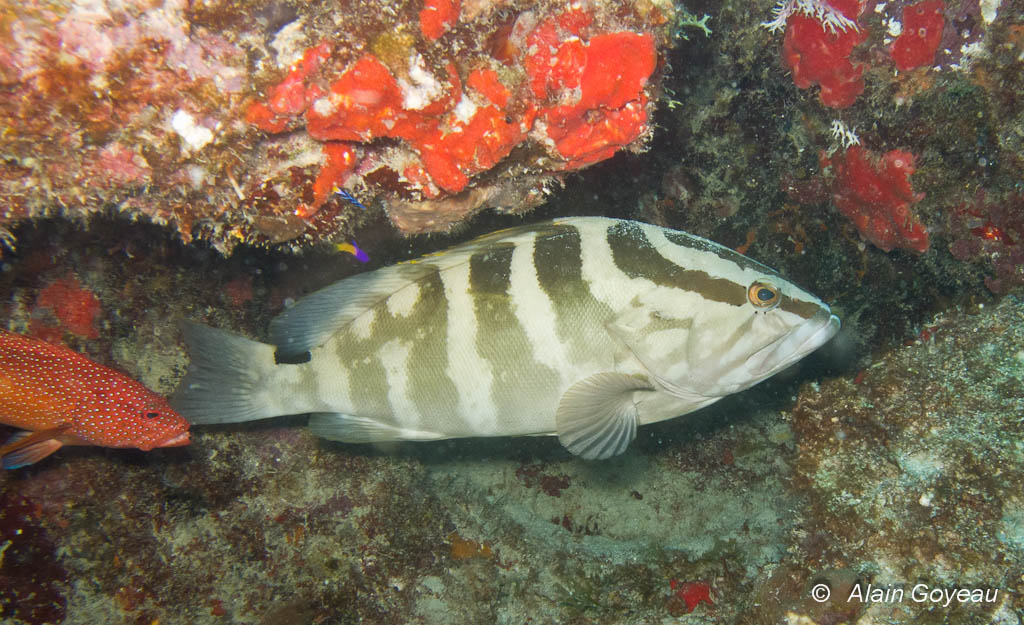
(227, 379)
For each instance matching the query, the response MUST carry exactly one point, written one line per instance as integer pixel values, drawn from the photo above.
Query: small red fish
(60, 397)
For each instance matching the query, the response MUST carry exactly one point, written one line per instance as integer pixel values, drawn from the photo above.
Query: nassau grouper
(583, 328)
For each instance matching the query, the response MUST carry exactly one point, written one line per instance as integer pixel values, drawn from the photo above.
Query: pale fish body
(582, 328)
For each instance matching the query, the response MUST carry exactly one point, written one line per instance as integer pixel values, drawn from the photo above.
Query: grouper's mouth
(177, 441)
(800, 341)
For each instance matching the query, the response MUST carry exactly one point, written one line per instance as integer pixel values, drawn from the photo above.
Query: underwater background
(174, 160)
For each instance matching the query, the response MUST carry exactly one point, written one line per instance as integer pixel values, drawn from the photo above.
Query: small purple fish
(354, 250)
(345, 195)
(351, 248)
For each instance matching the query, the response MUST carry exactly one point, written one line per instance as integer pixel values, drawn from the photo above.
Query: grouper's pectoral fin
(351, 429)
(597, 416)
(25, 448)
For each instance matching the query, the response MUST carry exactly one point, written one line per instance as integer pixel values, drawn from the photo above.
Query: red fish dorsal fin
(25, 448)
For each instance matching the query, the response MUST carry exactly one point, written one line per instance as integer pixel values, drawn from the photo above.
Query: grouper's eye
(763, 295)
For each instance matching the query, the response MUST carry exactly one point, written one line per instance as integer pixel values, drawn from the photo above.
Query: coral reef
(568, 95)
(888, 461)
(236, 122)
(881, 475)
(899, 468)
(741, 159)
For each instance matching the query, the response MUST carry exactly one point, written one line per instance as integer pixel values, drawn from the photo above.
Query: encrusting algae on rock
(236, 122)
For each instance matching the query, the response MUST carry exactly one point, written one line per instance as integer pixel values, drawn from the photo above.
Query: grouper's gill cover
(582, 328)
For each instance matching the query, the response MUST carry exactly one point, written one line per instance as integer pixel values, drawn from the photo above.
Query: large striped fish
(583, 328)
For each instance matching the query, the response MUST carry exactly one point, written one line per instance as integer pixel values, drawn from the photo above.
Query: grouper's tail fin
(227, 380)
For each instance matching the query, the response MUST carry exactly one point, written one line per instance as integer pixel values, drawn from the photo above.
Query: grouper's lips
(179, 440)
(801, 340)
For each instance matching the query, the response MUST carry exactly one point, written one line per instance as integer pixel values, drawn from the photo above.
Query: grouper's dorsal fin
(314, 318)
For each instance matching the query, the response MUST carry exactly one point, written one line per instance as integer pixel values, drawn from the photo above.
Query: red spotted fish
(59, 397)
(582, 328)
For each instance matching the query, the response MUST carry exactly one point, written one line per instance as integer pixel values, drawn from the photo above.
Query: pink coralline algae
(94, 100)
(817, 50)
(438, 16)
(562, 88)
(990, 232)
(611, 110)
(922, 32)
(687, 596)
(117, 165)
(75, 308)
(876, 195)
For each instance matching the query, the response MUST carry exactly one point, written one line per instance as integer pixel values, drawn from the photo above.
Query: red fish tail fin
(25, 448)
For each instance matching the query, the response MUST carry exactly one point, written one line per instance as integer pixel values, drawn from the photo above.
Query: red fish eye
(152, 415)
